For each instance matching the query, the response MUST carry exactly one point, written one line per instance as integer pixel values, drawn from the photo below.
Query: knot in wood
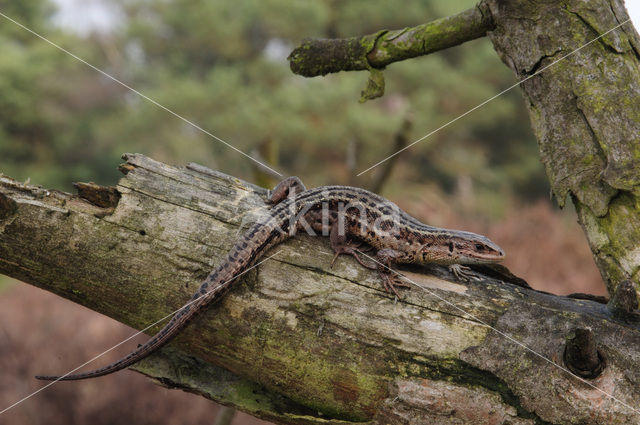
(581, 354)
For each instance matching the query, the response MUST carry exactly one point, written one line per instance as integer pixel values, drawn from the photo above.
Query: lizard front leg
(462, 273)
(343, 245)
(328, 223)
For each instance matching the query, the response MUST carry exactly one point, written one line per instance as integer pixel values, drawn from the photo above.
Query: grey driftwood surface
(298, 342)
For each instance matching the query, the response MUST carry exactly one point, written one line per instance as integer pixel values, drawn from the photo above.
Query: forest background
(222, 64)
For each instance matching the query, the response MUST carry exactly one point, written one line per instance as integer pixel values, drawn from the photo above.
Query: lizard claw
(391, 282)
(463, 273)
(352, 250)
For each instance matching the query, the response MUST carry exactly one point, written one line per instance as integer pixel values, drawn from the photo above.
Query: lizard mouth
(488, 257)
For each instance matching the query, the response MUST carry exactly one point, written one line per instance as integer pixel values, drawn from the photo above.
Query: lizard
(350, 216)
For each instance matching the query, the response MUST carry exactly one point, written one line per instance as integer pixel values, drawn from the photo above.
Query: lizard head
(461, 248)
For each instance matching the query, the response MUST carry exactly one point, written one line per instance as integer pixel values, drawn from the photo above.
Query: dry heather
(43, 333)
(549, 250)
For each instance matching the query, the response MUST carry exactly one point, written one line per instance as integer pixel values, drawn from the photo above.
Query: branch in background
(351, 159)
(375, 51)
(401, 139)
(266, 152)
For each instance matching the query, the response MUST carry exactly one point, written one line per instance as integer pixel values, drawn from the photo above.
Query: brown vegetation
(43, 333)
(549, 250)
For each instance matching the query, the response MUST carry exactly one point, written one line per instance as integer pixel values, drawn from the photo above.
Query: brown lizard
(349, 216)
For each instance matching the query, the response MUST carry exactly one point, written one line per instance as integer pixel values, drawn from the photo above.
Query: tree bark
(585, 109)
(297, 342)
(585, 112)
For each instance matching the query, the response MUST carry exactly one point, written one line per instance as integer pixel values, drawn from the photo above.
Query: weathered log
(299, 342)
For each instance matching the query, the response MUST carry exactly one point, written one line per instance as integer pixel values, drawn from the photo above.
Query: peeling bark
(297, 342)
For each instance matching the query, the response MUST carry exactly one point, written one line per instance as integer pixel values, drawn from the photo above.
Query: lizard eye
(479, 247)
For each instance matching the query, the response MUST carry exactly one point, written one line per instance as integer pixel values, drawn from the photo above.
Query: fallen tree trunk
(298, 342)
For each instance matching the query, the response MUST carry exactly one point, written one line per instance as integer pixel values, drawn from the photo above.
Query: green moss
(588, 160)
(175, 369)
(614, 238)
(337, 383)
(375, 86)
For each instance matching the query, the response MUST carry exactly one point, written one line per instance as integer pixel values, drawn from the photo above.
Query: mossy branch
(375, 51)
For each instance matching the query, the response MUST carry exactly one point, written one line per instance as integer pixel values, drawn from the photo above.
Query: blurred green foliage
(6, 283)
(221, 64)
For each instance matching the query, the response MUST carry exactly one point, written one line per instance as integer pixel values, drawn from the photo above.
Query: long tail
(264, 236)
(162, 337)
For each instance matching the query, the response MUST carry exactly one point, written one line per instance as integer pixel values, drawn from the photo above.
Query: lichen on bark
(585, 112)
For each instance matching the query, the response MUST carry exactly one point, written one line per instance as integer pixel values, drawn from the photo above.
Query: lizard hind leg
(287, 187)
